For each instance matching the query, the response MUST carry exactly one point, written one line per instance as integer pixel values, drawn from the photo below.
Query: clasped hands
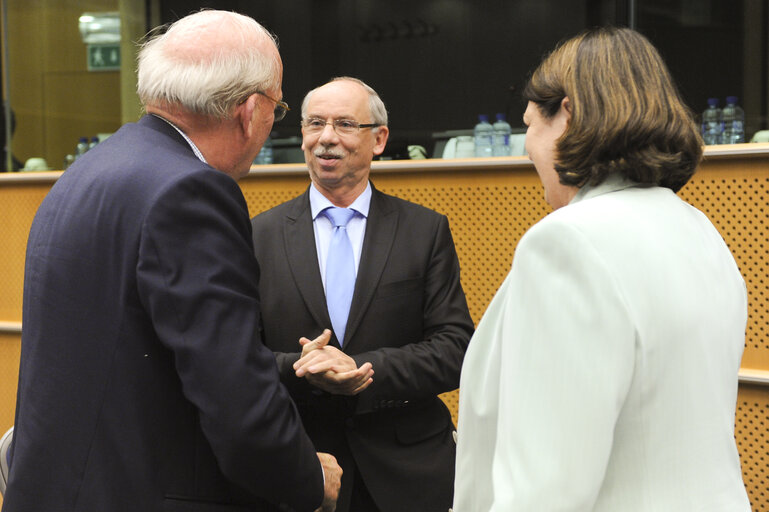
(330, 369)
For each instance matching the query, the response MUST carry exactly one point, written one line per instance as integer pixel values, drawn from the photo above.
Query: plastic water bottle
(265, 154)
(483, 135)
(502, 131)
(82, 147)
(93, 143)
(734, 122)
(712, 123)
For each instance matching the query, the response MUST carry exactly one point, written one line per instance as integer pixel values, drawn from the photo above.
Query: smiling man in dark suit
(144, 385)
(368, 396)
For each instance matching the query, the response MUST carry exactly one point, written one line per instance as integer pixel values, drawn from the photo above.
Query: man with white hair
(144, 384)
(396, 308)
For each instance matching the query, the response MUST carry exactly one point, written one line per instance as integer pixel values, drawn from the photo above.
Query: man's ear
(244, 115)
(380, 136)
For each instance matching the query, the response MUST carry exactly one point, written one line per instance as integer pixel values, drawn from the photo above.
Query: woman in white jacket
(603, 376)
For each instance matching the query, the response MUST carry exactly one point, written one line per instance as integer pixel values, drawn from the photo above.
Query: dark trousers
(360, 499)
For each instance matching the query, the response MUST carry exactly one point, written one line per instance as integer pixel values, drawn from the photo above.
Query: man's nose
(328, 135)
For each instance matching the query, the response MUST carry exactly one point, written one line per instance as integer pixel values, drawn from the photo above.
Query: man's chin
(328, 170)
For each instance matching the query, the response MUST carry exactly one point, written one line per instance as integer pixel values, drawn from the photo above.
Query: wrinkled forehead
(339, 100)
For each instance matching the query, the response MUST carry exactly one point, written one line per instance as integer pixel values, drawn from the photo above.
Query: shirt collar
(612, 183)
(319, 202)
(189, 141)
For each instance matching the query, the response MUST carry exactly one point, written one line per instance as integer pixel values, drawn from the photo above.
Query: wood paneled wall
(54, 97)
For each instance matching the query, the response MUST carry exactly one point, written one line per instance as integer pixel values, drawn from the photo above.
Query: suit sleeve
(567, 360)
(197, 278)
(421, 369)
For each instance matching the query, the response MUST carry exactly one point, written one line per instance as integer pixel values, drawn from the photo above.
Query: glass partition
(67, 79)
(437, 64)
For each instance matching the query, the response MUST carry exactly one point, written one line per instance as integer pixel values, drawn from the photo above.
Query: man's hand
(333, 480)
(330, 369)
(319, 342)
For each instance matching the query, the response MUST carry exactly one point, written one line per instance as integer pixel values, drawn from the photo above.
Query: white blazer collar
(612, 183)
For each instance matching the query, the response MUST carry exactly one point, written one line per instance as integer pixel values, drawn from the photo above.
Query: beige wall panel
(54, 97)
(27, 56)
(10, 346)
(752, 433)
(80, 111)
(18, 204)
(735, 196)
(133, 27)
(262, 192)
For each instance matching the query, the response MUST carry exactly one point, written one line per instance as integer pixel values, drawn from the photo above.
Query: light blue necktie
(340, 270)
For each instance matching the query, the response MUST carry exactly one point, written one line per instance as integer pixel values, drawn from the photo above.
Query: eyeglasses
(314, 125)
(281, 107)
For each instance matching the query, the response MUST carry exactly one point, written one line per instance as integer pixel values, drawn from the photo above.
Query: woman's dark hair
(627, 116)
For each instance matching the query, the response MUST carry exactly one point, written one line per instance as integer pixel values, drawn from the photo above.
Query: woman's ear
(564, 112)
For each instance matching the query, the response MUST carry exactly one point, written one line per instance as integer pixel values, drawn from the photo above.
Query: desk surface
(712, 153)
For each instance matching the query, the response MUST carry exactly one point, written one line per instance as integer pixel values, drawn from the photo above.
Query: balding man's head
(208, 62)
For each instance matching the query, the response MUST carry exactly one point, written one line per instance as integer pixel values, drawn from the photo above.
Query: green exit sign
(103, 57)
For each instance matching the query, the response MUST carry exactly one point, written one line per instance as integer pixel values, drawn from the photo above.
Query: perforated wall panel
(18, 204)
(9, 375)
(752, 433)
(737, 201)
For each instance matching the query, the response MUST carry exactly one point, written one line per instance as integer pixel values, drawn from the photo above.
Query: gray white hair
(174, 70)
(375, 104)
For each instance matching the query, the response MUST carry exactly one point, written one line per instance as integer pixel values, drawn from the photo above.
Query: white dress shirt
(356, 228)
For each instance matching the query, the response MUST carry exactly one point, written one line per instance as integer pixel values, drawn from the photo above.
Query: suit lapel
(299, 239)
(380, 233)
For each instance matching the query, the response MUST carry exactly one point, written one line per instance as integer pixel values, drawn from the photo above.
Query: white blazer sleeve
(567, 360)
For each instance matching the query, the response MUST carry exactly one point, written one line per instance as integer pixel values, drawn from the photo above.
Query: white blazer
(603, 376)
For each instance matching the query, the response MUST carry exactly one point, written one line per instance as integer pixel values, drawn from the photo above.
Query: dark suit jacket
(408, 317)
(143, 383)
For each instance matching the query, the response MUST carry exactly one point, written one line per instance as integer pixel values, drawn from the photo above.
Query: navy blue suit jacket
(144, 385)
(409, 318)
